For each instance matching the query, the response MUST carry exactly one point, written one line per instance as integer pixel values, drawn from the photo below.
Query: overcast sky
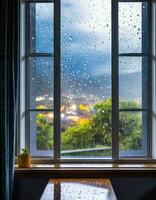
(86, 35)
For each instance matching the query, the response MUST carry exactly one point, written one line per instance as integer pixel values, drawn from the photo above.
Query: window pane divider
(133, 1)
(133, 54)
(39, 1)
(57, 79)
(39, 55)
(40, 110)
(115, 146)
(133, 110)
(149, 138)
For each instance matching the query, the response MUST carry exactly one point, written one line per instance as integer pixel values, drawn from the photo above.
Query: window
(88, 79)
(40, 77)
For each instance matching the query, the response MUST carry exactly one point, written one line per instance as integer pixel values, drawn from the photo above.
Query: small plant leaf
(24, 151)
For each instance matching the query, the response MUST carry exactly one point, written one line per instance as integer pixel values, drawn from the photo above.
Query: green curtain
(8, 93)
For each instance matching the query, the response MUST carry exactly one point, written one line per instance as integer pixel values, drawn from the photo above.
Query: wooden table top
(79, 189)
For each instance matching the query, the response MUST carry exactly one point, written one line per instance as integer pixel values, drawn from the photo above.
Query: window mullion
(115, 144)
(57, 79)
(144, 77)
(149, 136)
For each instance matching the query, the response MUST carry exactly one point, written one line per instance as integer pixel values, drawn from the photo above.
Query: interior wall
(132, 188)
(29, 188)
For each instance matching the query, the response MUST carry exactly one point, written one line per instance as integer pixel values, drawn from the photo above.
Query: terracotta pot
(24, 160)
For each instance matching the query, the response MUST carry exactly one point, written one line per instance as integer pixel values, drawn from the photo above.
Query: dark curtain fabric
(8, 91)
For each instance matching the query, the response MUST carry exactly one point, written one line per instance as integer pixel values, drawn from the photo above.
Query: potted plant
(24, 159)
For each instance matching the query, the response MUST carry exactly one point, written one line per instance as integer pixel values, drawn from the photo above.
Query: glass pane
(41, 27)
(86, 78)
(41, 133)
(132, 27)
(41, 83)
(133, 82)
(132, 134)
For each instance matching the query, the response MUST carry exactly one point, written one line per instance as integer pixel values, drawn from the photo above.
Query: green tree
(129, 127)
(93, 133)
(129, 131)
(101, 123)
(97, 131)
(44, 135)
(78, 137)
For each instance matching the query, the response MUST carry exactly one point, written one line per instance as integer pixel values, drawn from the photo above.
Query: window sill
(87, 170)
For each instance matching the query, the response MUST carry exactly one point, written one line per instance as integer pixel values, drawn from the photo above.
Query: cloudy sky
(86, 39)
(86, 34)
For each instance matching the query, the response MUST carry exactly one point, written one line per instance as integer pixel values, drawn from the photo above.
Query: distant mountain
(130, 86)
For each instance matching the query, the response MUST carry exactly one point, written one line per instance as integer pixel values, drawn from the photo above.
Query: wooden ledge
(88, 170)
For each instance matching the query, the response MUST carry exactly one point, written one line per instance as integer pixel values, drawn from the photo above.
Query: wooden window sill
(87, 170)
